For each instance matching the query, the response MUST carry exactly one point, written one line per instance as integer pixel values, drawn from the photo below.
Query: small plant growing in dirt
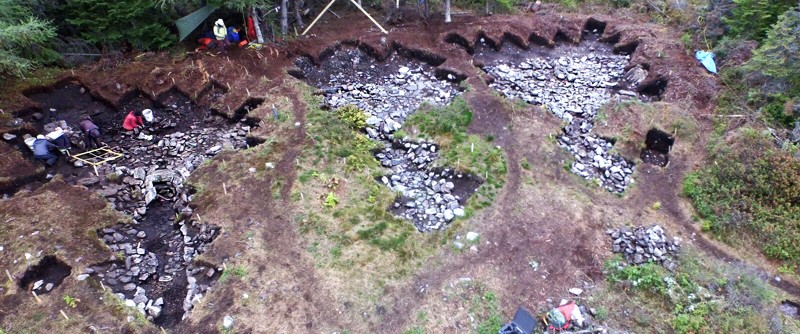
(353, 116)
(239, 271)
(656, 206)
(526, 165)
(331, 201)
(72, 302)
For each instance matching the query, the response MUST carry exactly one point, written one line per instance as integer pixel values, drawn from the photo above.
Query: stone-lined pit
(389, 92)
(152, 264)
(45, 276)
(573, 82)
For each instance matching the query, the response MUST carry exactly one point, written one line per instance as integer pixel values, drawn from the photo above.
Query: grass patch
(471, 154)
(237, 271)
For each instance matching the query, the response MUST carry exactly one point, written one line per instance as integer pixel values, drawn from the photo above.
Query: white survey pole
(318, 16)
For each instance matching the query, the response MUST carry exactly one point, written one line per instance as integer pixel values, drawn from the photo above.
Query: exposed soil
(657, 146)
(45, 276)
(791, 309)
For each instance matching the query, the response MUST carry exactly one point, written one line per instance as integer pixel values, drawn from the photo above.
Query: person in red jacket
(133, 120)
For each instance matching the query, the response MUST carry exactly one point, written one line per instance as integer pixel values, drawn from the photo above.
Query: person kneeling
(41, 150)
(60, 139)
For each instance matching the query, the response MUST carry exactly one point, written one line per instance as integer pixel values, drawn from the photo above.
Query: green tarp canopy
(189, 23)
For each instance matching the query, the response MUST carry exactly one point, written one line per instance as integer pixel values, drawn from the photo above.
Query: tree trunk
(297, 16)
(284, 17)
(257, 26)
(487, 7)
(447, 11)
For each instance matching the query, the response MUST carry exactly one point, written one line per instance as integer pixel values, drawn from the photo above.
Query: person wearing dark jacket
(91, 133)
(41, 150)
(60, 138)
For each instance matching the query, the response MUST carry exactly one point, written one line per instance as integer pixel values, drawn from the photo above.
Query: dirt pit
(151, 266)
(388, 92)
(657, 146)
(152, 263)
(45, 276)
(791, 309)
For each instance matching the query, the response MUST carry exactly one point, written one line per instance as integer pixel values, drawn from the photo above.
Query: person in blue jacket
(41, 150)
(233, 35)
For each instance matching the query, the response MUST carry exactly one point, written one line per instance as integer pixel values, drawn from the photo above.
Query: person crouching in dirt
(60, 139)
(133, 120)
(91, 133)
(41, 150)
(221, 33)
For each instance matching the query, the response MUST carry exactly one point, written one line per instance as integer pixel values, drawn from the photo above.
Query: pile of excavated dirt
(388, 92)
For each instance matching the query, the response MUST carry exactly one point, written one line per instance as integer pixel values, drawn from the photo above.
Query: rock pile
(167, 161)
(574, 86)
(153, 256)
(389, 93)
(134, 271)
(646, 244)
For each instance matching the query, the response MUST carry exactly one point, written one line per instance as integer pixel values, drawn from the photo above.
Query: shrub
(353, 116)
(119, 24)
(752, 192)
(779, 57)
(752, 19)
(22, 38)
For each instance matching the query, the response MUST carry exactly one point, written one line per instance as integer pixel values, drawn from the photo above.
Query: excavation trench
(151, 266)
(573, 82)
(428, 195)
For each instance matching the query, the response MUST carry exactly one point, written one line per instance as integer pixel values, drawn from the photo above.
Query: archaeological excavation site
(510, 168)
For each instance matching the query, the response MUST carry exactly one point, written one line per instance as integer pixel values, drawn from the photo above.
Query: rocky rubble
(153, 256)
(135, 271)
(574, 86)
(388, 95)
(646, 244)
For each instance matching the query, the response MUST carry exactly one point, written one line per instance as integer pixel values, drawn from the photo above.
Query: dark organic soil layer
(50, 270)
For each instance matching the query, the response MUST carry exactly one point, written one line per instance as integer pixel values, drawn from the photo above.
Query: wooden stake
(302, 198)
(224, 188)
(39, 301)
(103, 286)
(9, 276)
(248, 91)
(64, 314)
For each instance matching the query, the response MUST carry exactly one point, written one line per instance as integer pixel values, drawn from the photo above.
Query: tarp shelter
(189, 23)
